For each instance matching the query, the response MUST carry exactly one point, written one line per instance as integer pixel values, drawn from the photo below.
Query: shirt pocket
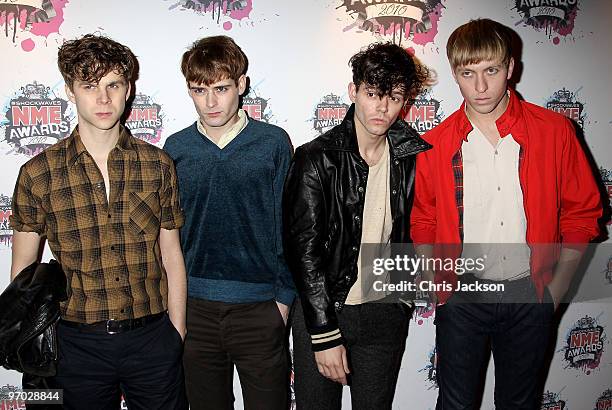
(145, 212)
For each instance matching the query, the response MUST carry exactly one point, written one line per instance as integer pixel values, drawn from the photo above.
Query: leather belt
(113, 326)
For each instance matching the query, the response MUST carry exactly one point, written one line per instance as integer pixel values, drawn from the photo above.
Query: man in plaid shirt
(510, 179)
(108, 206)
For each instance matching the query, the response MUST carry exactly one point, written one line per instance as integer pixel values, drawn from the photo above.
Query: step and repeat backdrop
(298, 52)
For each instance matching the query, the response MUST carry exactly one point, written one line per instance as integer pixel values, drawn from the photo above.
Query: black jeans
(375, 334)
(250, 335)
(471, 325)
(144, 364)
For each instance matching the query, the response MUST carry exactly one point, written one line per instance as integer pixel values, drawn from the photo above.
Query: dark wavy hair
(387, 66)
(91, 57)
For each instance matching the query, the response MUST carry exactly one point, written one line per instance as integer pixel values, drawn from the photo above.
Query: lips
(213, 114)
(103, 115)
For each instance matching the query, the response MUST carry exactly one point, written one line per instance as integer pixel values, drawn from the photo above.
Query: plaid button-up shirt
(109, 249)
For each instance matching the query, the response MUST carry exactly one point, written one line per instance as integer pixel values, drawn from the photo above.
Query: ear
(352, 91)
(70, 94)
(454, 72)
(242, 84)
(510, 68)
(129, 91)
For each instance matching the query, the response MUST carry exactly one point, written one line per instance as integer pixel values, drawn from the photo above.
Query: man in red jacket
(511, 179)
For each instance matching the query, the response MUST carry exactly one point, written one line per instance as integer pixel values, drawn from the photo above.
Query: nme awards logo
(6, 233)
(256, 107)
(564, 102)
(584, 345)
(604, 402)
(145, 120)
(424, 113)
(550, 16)
(6, 403)
(36, 119)
(552, 401)
(329, 113)
(416, 20)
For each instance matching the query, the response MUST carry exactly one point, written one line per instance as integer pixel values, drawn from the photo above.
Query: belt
(113, 326)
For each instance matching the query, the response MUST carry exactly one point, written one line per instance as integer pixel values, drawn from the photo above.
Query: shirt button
(117, 279)
(360, 189)
(357, 218)
(109, 216)
(112, 248)
(337, 304)
(499, 188)
(394, 192)
(502, 223)
(396, 162)
(99, 185)
(355, 249)
(122, 310)
(495, 152)
(348, 278)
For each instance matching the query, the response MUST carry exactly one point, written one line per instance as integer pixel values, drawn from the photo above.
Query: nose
(103, 96)
(211, 100)
(481, 83)
(383, 104)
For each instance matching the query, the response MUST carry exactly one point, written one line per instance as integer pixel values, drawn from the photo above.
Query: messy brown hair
(91, 57)
(479, 40)
(212, 59)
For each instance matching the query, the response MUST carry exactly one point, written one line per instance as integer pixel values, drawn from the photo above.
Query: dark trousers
(144, 364)
(375, 335)
(251, 336)
(471, 325)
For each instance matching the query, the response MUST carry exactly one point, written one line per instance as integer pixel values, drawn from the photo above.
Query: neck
(217, 132)
(99, 142)
(370, 145)
(488, 120)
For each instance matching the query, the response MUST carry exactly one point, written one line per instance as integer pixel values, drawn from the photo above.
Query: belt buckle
(108, 323)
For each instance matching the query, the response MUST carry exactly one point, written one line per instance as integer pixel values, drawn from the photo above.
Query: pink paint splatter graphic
(399, 19)
(36, 17)
(232, 9)
(550, 17)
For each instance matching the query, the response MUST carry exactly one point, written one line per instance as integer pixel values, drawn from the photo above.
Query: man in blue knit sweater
(231, 171)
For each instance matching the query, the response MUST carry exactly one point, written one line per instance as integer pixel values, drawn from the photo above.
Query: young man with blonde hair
(108, 206)
(510, 179)
(231, 170)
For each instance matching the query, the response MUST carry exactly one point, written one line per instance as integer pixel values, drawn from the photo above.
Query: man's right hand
(332, 364)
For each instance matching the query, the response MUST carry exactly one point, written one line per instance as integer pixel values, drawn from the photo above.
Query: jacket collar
(75, 147)
(403, 139)
(508, 123)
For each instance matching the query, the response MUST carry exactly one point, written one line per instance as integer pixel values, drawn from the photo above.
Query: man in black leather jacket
(347, 187)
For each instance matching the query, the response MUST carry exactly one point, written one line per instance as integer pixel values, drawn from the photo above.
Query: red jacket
(560, 197)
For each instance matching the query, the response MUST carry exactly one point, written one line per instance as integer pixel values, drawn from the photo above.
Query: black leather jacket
(29, 309)
(322, 213)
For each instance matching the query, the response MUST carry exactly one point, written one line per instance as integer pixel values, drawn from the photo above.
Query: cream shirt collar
(231, 133)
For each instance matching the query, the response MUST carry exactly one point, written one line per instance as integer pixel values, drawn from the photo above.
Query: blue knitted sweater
(232, 198)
